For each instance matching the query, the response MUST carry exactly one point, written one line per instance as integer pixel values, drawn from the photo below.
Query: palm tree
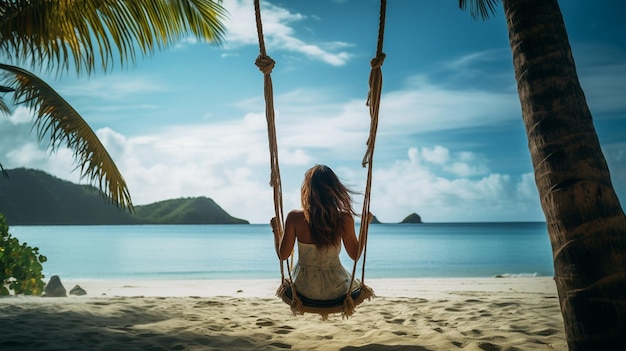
(84, 35)
(586, 223)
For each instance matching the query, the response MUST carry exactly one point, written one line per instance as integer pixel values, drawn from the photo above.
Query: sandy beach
(488, 314)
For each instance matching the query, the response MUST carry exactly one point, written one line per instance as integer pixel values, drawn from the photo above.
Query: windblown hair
(327, 204)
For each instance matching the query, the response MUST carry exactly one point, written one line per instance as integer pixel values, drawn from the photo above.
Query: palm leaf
(4, 108)
(56, 118)
(480, 8)
(62, 34)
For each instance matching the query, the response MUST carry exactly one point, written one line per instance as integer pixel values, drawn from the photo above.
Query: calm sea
(247, 252)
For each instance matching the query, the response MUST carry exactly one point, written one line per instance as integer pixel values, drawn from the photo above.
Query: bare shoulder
(295, 215)
(297, 224)
(348, 218)
(295, 219)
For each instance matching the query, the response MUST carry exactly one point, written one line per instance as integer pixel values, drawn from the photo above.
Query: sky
(189, 120)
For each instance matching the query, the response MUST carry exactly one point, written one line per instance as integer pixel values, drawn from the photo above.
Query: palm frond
(62, 34)
(56, 118)
(482, 9)
(4, 108)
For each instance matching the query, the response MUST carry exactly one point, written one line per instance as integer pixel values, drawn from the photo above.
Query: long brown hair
(327, 203)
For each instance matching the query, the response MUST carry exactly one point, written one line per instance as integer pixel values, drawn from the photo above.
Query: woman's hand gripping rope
(277, 234)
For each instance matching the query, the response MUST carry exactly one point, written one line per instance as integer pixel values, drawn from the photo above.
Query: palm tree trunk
(586, 223)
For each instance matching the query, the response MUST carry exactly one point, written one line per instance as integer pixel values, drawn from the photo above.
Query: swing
(344, 304)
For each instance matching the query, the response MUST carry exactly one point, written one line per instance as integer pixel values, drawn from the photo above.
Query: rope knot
(377, 61)
(265, 64)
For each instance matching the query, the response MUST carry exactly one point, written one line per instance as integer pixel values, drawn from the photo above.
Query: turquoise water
(247, 252)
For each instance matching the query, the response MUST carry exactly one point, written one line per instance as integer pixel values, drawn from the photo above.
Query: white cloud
(427, 107)
(21, 115)
(26, 154)
(527, 188)
(474, 60)
(114, 142)
(278, 32)
(436, 155)
(228, 160)
(412, 186)
(600, 84)
(112, 87)
(185, 42)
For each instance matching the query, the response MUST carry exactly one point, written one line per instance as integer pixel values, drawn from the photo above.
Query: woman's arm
(284, 245)
(350, 241)
(348, 236)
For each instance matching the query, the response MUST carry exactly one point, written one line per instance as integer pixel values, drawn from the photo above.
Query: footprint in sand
(264, 322)
(207, 303)
(543, 332)
(285, 329)
(473, 332)
(487, 346)
(193, 317)
(457, 344)
(386, 315)
(396, 321)
(281, 345)
(504, 304)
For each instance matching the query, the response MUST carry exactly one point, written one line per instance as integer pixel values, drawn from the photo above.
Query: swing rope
(373, 101)
(265, 65)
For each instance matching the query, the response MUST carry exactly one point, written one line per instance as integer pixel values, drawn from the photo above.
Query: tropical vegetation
(83, 35)
(586, 223)
(87, 35)
(21, 271)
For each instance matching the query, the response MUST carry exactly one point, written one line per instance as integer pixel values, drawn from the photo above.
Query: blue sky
(189, 121)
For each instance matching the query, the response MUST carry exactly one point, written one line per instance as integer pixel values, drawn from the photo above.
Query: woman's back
(309, 254)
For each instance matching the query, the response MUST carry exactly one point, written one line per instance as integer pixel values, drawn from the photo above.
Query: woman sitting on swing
(324, 222)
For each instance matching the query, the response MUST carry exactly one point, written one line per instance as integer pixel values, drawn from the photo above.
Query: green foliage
(195, 210)
(85, 35)
(20, 265)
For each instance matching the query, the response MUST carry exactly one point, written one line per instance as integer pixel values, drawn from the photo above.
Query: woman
(324, 222)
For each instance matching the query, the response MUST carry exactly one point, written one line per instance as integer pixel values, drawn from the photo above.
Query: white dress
(319, 275)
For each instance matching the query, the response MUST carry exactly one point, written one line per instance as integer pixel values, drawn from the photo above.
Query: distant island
(33, 197)
(412, 218)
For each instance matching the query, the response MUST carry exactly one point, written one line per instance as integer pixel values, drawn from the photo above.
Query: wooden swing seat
(344, 304)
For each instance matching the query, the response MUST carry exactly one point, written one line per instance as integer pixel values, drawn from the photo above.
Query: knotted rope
(265, 65)
(373, 101)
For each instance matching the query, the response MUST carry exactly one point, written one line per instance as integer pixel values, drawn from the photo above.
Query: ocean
(179, 252)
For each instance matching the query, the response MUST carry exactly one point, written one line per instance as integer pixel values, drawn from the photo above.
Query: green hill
(33, 197)
(197, 210)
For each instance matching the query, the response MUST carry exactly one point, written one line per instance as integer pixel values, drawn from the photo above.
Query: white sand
(487, 314)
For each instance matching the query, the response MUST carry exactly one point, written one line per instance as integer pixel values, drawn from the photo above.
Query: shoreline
(425, 314)
(266, 288)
